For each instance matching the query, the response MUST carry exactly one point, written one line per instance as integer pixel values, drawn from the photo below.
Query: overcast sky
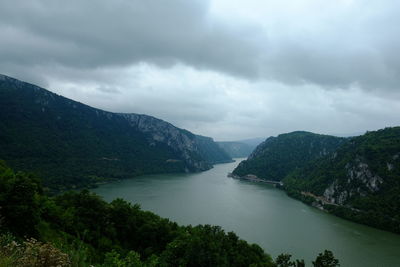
(229, 69)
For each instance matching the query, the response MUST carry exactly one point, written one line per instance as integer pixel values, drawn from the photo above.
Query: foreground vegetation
(80, 229)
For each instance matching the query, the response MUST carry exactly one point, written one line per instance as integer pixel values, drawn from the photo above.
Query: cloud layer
(252, 68)
(101, 34)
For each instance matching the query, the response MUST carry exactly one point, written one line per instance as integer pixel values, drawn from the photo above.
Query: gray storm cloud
(359, 48)
(87, 34)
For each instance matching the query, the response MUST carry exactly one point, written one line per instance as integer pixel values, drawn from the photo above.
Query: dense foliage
(276, 157)
(80, 229)
(326, 259)
(73, 145)
(97, 227)
(365, 173)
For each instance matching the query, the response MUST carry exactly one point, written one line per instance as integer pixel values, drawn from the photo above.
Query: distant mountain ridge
(76, 145)
(236, 149)
(211, 151)
(240, 148)
(253, 142)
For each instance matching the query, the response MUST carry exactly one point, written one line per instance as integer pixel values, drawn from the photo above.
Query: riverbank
(319, 202)
(349, 213)
(254, 178)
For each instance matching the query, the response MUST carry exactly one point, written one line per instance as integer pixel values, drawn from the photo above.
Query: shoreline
(254, 179)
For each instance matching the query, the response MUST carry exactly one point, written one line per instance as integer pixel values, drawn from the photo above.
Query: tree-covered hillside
(356, 178)
(74, 145)
(278, 156)
(92, 231)
(80, 229)
(361, 179)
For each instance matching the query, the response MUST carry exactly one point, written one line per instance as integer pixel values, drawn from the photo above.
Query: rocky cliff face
(362, 167)
(361, 180)
(183, 142)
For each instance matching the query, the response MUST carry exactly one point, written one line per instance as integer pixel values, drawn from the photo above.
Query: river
(258, 213)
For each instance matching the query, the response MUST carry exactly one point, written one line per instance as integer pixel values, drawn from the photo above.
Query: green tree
(19, 202)
(206, 245)
(283, 260)
(326, 259)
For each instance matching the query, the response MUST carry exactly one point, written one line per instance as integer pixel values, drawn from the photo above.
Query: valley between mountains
(51, 145)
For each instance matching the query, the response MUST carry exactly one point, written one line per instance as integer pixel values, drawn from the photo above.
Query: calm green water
(259, 214)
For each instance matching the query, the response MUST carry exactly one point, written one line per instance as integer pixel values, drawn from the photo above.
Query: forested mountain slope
(361, 180)
(74, 145)
(356, 178)
(277, 156)
(210, 150)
